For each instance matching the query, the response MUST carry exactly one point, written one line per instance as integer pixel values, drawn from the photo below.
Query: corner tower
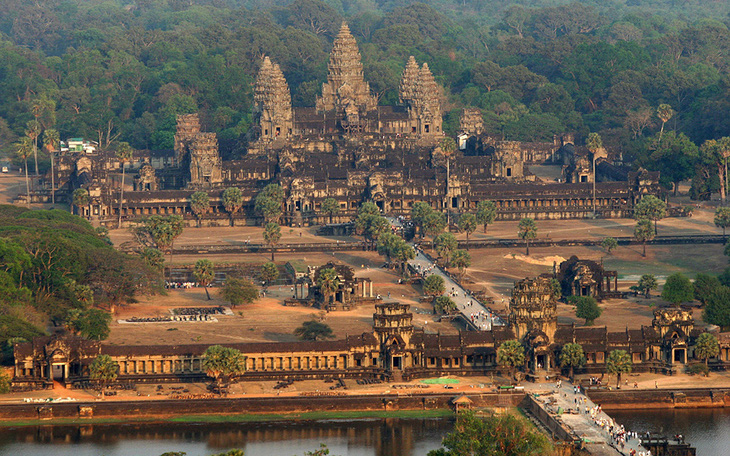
(425, 107)
(345, 89)
(273, 102)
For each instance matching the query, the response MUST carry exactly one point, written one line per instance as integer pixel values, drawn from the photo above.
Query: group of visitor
(183, 285)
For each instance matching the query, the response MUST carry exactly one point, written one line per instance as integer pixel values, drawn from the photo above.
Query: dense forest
(54, 268)
(121, 70)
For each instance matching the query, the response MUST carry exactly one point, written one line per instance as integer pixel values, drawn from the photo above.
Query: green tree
(81, 199)
(103, 370)
(204, 273)
(722, 218)
(527, 230)
(268, 203)
(272, 236)
(445, 305)
(609, 244)
(646, 283)
(239, 291)
(461, 260)
(572, 356)
(328, 282)
(223, 364)
(674, 156)
(678, 289)
(269, 272)
(495, 435)
(433, 285)
(586, 307)
(232, 200)
(123, 154)
(643, 232)
(91, 323)
(717, 308)
(419, 211)
(52, 141)
(705, 284)
(433, 224)
(486, 213)
(467, 224)
(511, 354)
(330, 207)
(314, 330)
(199, 204)
(371, 226)
(164, 229)
(618, 362)
(445, 244)
(652, 208)
(706, 347)
(403, 253)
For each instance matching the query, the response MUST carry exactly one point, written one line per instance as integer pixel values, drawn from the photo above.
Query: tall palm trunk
(27, 182)
(121, 198)
(35, 154)
(53, 182)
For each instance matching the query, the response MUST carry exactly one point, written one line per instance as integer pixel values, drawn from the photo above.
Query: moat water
(705, 429)
(378, 437)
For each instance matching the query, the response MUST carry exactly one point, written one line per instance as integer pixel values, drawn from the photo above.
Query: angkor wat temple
(348, 148)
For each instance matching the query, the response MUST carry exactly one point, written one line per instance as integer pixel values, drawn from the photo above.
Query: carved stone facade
(533, 308)
(345, 91)
(206, 165)
(352, 150)
(587, 278)
(395, 350)
(272, 100)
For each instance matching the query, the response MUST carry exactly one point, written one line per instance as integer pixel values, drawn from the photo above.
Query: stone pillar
(371, 290)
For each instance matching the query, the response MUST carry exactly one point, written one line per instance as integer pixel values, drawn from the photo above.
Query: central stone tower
(345, 90)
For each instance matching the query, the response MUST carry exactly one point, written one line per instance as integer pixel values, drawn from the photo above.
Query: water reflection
(704, 429)
(386, 437)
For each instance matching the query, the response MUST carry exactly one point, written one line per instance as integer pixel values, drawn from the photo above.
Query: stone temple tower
(273, 102)
(533, 308)
(188, 125)
(345, 89)
(408, 81)
(425, 108)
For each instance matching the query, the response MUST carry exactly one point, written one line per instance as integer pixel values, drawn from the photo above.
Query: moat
(703, 428)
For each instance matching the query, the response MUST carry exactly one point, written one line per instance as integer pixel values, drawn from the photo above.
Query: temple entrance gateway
(58, 372)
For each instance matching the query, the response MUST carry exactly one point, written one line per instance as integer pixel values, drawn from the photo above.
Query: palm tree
(232, 200)
(572, 356)
(204, 273)
(199, 204)
(272, 235)
(124, 153)
(618, 362)
(467, 224)
(23, 149)
(594, 143)
(526, 230)
(511, 354)
(80, 199)
(51, 141)
(664, 112)
(104, 370)
(331, 207)
(328, 282)
(33, 132)
(643, 232)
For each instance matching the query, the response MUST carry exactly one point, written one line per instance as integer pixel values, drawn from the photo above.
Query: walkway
(484, 317)
(593, 427)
